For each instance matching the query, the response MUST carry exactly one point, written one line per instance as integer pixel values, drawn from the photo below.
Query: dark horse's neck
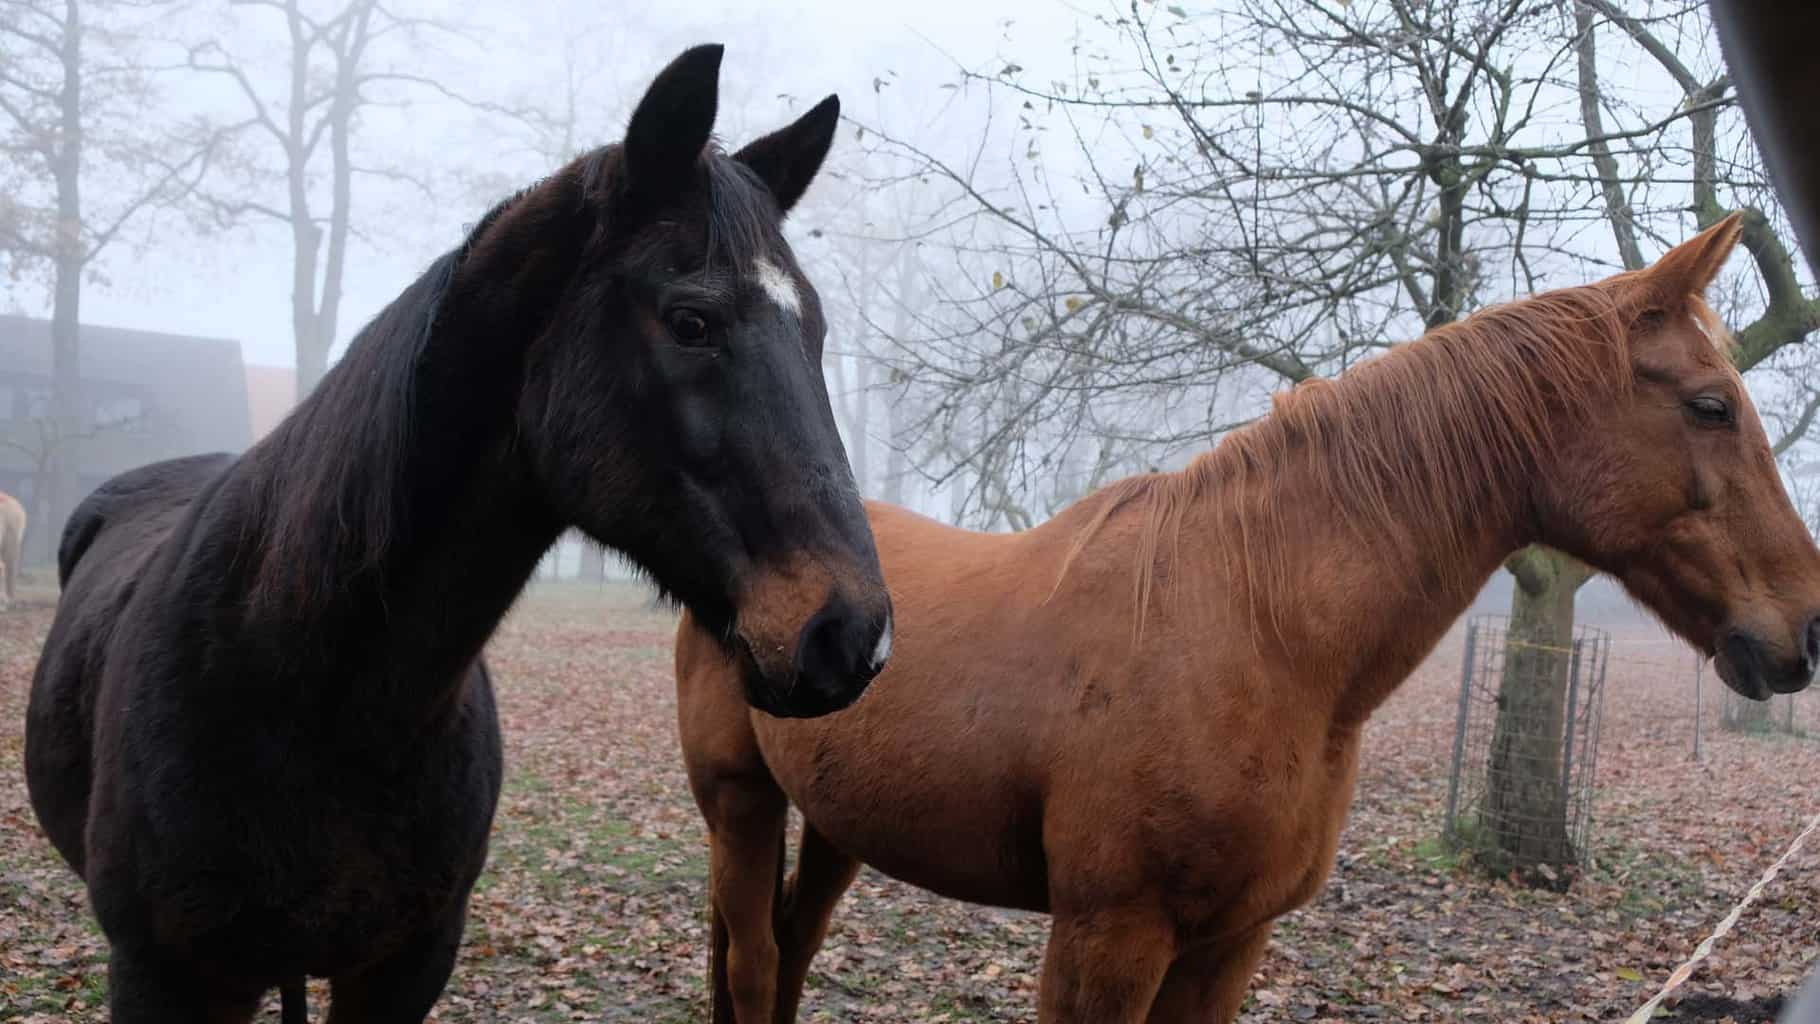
(1357, 522)
(394, 520)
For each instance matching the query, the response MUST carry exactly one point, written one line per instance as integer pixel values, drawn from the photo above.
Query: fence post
(1573, 696)
(1459, 729)
(1699, 703)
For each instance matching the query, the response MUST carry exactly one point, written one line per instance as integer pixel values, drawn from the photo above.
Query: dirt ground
(592, 907)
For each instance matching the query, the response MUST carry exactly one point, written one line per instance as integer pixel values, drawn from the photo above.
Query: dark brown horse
(1143, 716)
(261, 728)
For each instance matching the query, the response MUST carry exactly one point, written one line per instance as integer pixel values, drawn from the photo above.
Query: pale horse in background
(12, 540)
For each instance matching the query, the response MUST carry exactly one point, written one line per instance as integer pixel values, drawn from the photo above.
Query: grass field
(592, 906)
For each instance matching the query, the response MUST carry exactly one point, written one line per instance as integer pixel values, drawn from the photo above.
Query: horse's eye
(1710, 411)
(689, 327)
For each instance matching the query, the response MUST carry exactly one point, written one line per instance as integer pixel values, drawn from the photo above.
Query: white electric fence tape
(1686, 970)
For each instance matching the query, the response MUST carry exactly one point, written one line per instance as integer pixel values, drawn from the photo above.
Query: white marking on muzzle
(777, 285)
(883, 650)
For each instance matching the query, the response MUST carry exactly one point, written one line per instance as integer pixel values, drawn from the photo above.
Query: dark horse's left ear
(670, 127)
(786, 160)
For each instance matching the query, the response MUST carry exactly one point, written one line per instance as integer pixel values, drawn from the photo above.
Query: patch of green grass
(1441, 854)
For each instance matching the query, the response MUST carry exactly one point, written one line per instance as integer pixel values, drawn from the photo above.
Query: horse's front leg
(746, 845)
(1105, 966)
(402, 988)
(147, 989)
(1207, 985)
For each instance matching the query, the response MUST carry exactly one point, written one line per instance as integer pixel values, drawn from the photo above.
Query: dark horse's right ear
(670, 127)
(786, 160)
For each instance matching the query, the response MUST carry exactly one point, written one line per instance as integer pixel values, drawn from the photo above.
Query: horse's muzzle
(841, 650)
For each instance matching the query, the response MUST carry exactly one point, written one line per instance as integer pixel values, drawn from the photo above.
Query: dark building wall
(147, 396)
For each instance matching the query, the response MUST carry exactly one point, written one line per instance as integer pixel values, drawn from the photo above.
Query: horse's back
(136, 507)
(105, 545)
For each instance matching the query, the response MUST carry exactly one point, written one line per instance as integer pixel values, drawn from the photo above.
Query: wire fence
(1526, 742)
(1794, 715)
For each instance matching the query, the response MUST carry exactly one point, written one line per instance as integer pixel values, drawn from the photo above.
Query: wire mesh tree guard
(1795, 715)
(1526, 743)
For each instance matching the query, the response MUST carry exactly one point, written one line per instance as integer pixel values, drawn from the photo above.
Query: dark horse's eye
(1710, 411)
(689, 327)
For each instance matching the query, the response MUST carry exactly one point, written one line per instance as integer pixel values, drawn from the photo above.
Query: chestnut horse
(1143, 716)
(12, 541)
(262, 730)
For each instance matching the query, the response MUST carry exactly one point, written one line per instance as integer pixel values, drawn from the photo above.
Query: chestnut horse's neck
(1353, 525)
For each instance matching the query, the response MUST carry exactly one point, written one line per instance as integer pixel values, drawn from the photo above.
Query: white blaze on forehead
(1701, 326)
(777, 285)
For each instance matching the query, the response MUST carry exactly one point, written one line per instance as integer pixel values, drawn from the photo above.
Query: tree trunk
(1525, 816)
(66, 304)
(897, 426)
(862, 425)
(895, 461)
(593, 563)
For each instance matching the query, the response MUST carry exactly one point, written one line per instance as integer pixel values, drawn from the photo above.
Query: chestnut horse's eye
(1710, 411)
(689, 327)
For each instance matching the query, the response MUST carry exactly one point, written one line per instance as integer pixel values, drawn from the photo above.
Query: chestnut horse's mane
(1460, 415)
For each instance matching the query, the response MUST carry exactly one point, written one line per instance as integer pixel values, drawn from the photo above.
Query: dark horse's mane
(334, 492)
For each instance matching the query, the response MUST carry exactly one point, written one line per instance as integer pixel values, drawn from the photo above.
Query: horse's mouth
(1754, 673)
(794, 700)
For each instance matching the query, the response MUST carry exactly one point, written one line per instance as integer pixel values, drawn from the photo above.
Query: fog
(1059, 243)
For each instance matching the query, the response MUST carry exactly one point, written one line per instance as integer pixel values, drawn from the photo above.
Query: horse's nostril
(1810, 648)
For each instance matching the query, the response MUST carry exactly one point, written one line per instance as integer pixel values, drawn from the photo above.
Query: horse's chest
(259, 851)
(1255, 846)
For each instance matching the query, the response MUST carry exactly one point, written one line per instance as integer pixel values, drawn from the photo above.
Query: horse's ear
(1690, 267)
(786, 160)
(670, 127)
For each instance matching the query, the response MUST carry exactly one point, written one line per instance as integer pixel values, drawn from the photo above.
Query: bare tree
(84, 162)
(1223, 201)
(305, 130)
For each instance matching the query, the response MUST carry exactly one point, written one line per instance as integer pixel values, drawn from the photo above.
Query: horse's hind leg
(1208, 985)
(746, 840)
(823, 874)
(1104, 966)
(142, 990)
(402, 988)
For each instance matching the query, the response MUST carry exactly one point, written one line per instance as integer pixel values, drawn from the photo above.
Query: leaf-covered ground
(592, 906)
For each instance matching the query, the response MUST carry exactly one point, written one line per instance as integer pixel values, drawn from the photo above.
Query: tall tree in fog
(1270, 190)
(304, 120)
(84, 158)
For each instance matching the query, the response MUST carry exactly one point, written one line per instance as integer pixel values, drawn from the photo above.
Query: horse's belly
(973, 839)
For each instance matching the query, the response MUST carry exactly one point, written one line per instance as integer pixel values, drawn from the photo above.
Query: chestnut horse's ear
(1688, 268)
(670, 127)
(786, 160)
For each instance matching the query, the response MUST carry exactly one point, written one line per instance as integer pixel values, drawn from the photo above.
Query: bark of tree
(1525, 816)
(60, 492)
